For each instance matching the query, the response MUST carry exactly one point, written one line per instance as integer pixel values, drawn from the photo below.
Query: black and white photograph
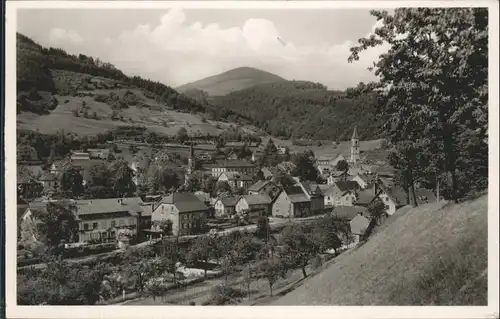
(251, 154)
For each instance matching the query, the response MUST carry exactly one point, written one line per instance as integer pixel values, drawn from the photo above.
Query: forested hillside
(231, 81)
(300, 109)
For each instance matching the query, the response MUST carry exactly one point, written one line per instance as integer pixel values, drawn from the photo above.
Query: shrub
(225, 295)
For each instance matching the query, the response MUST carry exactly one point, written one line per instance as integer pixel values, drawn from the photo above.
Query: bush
(317, 262)
(225, 295)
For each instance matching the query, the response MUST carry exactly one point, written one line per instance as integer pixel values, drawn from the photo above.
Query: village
(246, 196)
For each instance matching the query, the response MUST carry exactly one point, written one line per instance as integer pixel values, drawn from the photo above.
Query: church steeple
(354, 146)
(355, 134)
(191, 164)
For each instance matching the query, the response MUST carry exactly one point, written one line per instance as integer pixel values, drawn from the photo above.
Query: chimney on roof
(360, 213)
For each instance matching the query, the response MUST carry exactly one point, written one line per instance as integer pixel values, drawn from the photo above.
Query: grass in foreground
(430, 255)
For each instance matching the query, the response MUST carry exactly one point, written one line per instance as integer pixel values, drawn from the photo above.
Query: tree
(72, 181)
(246, 249)
(182, 135)
(200, 250)
(326, 233)
(283, 179)
(342, 166)
(100, 175)
(122, 178)
(272, 268)
(209, 184)
(222, 187)
(248, 275)
(161, 178)
(305, 167)
(300, 245)
(377, 209)
(263, 229)
(54, 225)
(165, 226)
(433, 87)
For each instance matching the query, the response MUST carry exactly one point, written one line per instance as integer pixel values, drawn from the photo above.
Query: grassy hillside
(432, 255)
(230, 81)
(298, 109)
(83, 95)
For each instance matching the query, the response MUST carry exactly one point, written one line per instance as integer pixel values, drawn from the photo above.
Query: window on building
(113, 223)
(95, 225)
(85, 226)
(121, 222)
(104, 224)
(131, 221)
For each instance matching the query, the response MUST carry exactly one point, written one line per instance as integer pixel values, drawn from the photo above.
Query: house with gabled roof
(315, 195)
(235, 179)
(226, 206)
(264, 188)
(186, 212)
(292, 202)
(254, 203)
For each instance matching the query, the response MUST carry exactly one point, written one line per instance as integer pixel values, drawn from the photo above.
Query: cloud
(176, 52)
(58, 35)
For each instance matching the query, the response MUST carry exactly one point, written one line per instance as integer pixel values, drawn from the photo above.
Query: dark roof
(359, 225)
(348, 212)
(398, 195)
(108, 205)
(184, 202)
(347, 185)
(233, 163)
(365, 196)
(259, 185)
(257, 199)
(229, 201)
(47, 177)
(236, 176)
(298, 198)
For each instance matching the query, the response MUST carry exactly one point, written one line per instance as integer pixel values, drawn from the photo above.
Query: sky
(176, 46)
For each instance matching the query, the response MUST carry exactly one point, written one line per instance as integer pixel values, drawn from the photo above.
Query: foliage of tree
(60, 284)
(201, 250)
(433, 90)
(263, 228)
(342, 166)
(122, 178)
(71, 182)
(305, 167)
(248, 275)
(182, 135)
(377, 209)
(326, 233)
(272, 268)
(300, 246)
(54, 225)
(161, 178)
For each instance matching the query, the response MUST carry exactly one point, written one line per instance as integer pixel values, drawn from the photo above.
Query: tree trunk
(437, 190)
(413, 197)
(271, 288)
(248, 291)
(304, 272)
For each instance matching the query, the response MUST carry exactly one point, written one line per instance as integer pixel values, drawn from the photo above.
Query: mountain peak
(232, 80)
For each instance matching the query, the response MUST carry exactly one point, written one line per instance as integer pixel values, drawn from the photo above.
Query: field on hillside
(147, 111)
(435, 254)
